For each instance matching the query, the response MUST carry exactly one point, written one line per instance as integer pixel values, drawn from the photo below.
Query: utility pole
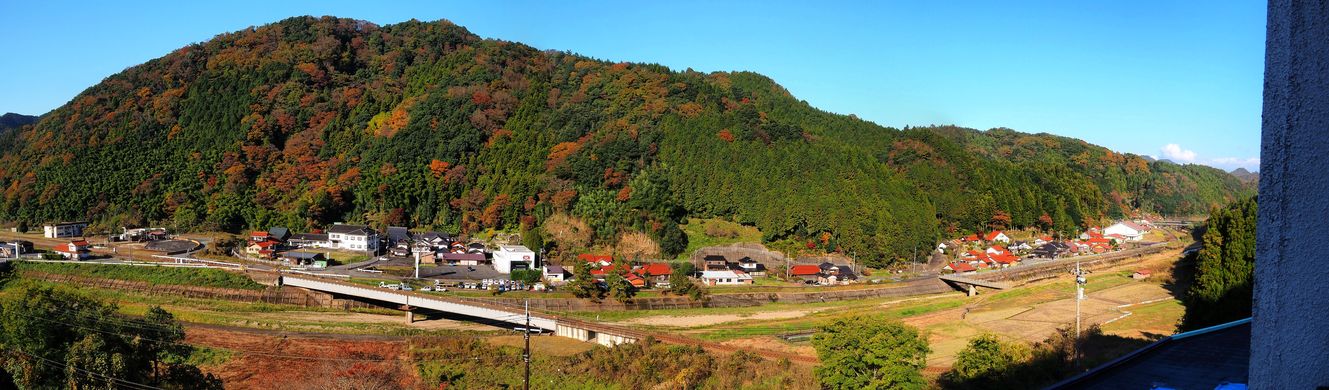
(417, 264)
(1079, 295)
(526, 383)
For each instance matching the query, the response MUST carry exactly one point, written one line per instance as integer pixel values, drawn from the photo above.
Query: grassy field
(151, 274)
(711, 232)
(260, 315)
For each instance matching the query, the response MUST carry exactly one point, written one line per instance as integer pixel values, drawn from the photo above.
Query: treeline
(1223, 284)
(310, 121)
(56, 338)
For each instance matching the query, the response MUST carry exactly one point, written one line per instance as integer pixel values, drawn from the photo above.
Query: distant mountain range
(11, 120)
(1245, 175)
(310, 121)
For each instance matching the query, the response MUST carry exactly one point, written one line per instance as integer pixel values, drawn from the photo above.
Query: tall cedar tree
(1224, 268)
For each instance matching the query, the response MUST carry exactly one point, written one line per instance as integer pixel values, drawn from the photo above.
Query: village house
(64, 229)
(258, 236)
(309, 240)
(655, 273)
(725, 278)
(264, 249)
(1129, 231)
(997, 236)
(398, 235)
(1051, 250)
(279, 233)
(74, 250)
(805, 272)
(353, 237)
(435, 240)
(308, 259)
(959, 267)
(15, 248)
(598, 260)
(715, 263)
(752, 267)
(833, 274)
(463, 258)
(555, 274)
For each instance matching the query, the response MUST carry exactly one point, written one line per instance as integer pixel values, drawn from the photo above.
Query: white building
(725, 278)
(1130, 230)
(510, 257)
(353, 237)
(64, 229)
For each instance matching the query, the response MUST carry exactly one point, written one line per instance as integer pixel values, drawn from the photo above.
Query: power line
(252, 352)
(57, 364)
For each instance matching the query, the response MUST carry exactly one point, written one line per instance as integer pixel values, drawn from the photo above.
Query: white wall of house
(1124, 231)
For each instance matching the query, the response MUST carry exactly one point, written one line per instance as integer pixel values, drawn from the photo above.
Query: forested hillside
(309, 121)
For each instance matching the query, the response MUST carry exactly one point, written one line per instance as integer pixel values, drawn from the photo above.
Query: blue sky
(1161, 78)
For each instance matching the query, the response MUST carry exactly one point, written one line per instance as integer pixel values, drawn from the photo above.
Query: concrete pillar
(1288, 341)
(410, 316)
(972, 290)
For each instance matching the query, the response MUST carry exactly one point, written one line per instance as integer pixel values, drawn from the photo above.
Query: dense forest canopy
(310, 121)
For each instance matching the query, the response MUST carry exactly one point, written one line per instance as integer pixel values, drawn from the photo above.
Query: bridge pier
(410, 314)
(973, 290)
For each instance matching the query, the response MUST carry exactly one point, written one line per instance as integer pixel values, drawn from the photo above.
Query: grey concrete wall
(1290, 337)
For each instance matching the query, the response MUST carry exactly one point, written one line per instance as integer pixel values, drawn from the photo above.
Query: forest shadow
(1058, 357)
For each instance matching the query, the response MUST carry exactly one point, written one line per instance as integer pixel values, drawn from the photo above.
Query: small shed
(1141, 274)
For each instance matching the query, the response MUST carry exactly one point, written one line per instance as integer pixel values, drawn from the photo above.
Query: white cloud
(1175, 153)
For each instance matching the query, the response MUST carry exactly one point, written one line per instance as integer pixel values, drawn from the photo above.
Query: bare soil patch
(264, 361)
(772, 344)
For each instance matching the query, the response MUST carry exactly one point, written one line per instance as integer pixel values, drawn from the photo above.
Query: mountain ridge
(309, 121)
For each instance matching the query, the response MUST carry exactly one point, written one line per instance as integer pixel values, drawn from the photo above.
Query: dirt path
(715, 319)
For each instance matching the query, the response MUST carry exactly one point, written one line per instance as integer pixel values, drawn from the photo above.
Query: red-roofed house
(958, 267)
(602, 260)
(1141, 274)
(635, 280)
(997, 250)
(996, 236)
(74, 250)
(656, 273)
(972, 255)
(1005, 260)
(255, 247)
(259, 236)
(805, 271)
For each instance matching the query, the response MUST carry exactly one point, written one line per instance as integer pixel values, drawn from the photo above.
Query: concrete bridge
(970, 285)
(409, 301)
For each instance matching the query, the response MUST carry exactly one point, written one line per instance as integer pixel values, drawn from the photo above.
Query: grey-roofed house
(305, 258)
(752, 267)
(555, 273)
(435, 239)
(463, 258)
(398, 235)
(353, 237)
(279, 233)
(309, 240)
